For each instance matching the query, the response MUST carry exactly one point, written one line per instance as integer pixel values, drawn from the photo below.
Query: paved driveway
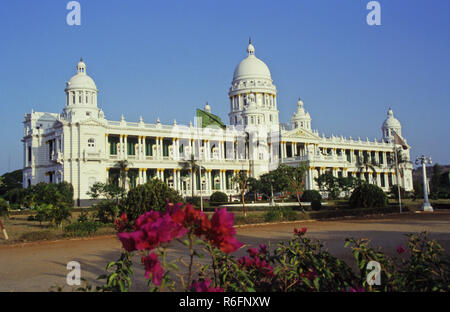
(38, 266)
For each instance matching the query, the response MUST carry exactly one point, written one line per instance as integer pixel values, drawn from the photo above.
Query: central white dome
(81, 80)
(251, 67)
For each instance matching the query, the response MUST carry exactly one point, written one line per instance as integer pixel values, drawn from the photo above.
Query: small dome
(81, 80)
(391, 121)
(251, 66)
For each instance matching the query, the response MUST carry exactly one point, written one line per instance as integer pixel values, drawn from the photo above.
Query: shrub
(368, 196)
(83, 217)
(54, 214)
(316, 204)
(80, 229)
(16, 196)
(43, 213)
(4, 207)
(218, 197)
(310, 195)
(153, 195)
(280, 214)
(50, 193)
(289, 214)
(272, 215)
(106, 211)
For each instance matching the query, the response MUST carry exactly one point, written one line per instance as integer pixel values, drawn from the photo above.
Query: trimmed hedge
(310, 196)
(367, 196)
(152, 195)
(218, 197)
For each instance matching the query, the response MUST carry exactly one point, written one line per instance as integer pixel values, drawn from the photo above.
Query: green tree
(193, 167)
(106, 190)
(295, 177)
(254, 185)
(152, 195)
(435, 182)
(11, 180)
(241, 179)
(123, 166)
(330, 184)
(368, 196)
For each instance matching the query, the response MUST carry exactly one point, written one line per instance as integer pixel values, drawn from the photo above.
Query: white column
(175, 180)
(125, 146)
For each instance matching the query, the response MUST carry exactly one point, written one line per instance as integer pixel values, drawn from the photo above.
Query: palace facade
(82, 147)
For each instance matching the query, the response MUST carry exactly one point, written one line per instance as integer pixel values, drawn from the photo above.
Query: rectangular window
(113, 141)
(29, 154)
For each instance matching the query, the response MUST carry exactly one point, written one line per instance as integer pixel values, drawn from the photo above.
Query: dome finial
(81, 66)
(251, 48)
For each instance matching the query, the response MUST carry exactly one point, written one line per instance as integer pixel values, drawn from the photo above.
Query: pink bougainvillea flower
(253, 252)
(302, 231)
(400, 249)
(204, 286)
(121, 224)
(153, 268)
(222, 233)
(151, 229)
(263, 248)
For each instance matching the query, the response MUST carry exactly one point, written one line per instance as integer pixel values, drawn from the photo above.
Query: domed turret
(389, 125)
(300, 118)
(81, 95)
(251, 66)
(252, 94)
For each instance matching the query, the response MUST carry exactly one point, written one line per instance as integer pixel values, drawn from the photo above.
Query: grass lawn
(20, 229)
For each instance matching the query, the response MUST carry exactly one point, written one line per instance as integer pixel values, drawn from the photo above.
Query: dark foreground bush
(368, 196)
(310, 195)
(218, 197)
(316, 205)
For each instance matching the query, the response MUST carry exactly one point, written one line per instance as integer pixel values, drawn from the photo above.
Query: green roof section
(209, 119)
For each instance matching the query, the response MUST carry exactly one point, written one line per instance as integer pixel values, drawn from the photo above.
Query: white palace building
(82, 147)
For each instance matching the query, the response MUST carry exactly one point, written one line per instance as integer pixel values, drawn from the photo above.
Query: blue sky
(166, 58)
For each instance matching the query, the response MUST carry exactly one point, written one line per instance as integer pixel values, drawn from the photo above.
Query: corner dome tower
(389, 125)
(301, 119)
(81, 96)
(253, 96)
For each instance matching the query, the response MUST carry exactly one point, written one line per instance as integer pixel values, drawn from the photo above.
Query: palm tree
(192, 166)
(241, 178)
(366, 163)
(123, 168)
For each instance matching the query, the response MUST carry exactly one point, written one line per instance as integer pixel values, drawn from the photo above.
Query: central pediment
(300, 133)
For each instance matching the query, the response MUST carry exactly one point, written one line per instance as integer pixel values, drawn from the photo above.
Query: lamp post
(424, 161)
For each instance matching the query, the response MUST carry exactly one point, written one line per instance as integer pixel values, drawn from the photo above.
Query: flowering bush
(299, 264)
